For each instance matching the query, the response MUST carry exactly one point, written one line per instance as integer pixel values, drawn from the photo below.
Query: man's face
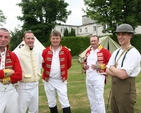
(124, 38)
(55, 40)
(4, 38)
(94, 42)
(29, 39)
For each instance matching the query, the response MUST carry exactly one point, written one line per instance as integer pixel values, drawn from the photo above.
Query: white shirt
(92, 60)
(2, 63)
(55, 71)
(131, 63)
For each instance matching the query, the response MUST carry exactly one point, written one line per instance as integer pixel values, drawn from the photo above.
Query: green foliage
(2, 18)
(114, 12)
(79, 44)
(66, 32)
(76, 44)
(72, 33)
(41, 16)
(16, 38)
(135, 41)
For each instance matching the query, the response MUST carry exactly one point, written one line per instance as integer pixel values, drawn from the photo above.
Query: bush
(79, 44)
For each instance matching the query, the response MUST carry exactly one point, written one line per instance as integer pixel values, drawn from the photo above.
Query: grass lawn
(77, 92)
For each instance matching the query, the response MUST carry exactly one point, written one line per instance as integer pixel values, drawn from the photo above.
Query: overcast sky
(11, 11)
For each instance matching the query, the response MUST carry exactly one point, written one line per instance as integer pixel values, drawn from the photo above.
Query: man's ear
(131, 35)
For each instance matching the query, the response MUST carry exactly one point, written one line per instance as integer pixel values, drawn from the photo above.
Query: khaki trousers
(123, 95)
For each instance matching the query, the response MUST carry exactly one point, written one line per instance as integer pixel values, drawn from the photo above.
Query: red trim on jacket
(17, 76)
(65, 62)
(103, 57)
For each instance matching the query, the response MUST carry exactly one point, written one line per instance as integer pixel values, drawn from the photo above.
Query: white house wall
(138, 30)
(61, 28)
(86, 30)
(88, 27)
(83, 30)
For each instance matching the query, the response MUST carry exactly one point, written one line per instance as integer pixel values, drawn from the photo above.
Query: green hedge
(79, 44)
(76, 44)
(135, 41)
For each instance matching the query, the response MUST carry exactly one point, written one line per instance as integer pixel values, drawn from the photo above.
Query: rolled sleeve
(131, 63)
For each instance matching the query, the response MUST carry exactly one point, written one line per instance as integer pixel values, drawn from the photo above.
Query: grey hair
(4, 29)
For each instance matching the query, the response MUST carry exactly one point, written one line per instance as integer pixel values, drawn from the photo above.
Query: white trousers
(95, 92)
(28, 97)
(8, 101)
(53, 86)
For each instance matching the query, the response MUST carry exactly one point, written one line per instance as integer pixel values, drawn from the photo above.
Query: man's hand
(63, 79)
(111, 68)
(46, 79)
(6, 80)
(86, 67)
(93, 67)
(8, 72)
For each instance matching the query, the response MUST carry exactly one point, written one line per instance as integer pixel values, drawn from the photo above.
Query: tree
(72, 32)
(114, 12)
(16, 38)
(2, 18)
(66, 32)
(41, 16)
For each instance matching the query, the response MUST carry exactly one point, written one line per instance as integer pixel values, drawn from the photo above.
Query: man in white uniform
(57, 61)
(30, 61)
(95, 62)
(10, 73)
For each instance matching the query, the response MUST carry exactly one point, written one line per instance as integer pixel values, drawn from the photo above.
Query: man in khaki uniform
(124, 66)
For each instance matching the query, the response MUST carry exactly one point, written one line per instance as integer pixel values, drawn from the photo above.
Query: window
(94, 28)
(86, 29)
(80, 30)
(61, 30)
(105, 27)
